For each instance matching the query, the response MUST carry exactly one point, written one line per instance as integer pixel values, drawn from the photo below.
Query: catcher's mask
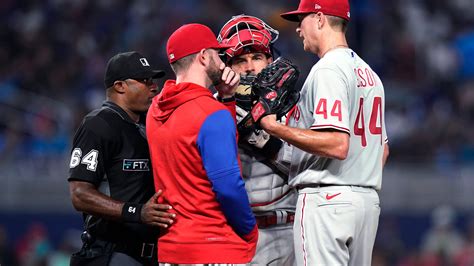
(247, 34)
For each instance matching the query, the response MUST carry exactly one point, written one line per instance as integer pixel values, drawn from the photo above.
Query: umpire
(110, 179)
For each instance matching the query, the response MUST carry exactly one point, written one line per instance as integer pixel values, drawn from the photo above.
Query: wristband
(226, 100)
(132, 212)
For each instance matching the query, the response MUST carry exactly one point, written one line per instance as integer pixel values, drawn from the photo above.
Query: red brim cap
(293, 15)
(338, 8)
(223, 46)
(190, 39)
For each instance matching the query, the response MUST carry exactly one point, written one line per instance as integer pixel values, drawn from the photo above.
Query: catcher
(273, 201)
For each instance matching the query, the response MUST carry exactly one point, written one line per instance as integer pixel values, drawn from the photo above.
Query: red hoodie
(192, 139)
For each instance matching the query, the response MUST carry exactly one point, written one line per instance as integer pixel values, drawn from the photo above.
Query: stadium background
(53, 54)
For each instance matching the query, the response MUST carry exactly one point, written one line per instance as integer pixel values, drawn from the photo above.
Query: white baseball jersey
(269, 193)
(266, 188)
(343, 93)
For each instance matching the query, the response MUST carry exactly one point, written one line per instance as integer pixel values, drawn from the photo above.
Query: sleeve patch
(90, 159)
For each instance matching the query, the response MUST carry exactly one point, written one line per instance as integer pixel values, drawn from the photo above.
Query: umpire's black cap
(129, 65)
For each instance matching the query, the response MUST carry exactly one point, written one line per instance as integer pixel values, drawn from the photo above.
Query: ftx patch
(136, 165)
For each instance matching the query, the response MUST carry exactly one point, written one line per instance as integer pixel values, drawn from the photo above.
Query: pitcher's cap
(338, 8)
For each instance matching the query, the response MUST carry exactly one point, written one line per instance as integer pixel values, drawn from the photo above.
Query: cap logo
(144, 61)
(348, 14)
(171, 56)
(316, 6)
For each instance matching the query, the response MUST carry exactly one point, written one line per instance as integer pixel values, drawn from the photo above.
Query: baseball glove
(243, 99)
(274, 90)
(243, 92)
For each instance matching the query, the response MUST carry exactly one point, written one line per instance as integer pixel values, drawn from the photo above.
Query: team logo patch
(271, 95)
(257, 111)
(144, 61)
(136, 165)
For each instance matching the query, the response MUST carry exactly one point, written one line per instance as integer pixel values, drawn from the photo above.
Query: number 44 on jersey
(359, 128)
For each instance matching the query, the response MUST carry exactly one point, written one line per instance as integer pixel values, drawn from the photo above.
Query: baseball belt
(277, 218)
(137, 250)
(301, 186)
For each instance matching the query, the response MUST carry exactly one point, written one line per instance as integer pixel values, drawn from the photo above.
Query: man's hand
(230, 82)
(268, 123)
(157, 214)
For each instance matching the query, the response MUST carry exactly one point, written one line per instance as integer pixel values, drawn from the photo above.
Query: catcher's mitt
(243, 92)
(274, 90)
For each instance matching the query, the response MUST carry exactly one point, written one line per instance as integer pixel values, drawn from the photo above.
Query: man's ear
(119, 86)
(320, 20)
(203, 57)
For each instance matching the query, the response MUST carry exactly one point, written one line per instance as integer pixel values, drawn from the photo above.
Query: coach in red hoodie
(192, 139)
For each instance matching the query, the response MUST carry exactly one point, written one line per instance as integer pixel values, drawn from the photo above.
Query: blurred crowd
(54, 52)
(35, 248)
(442, 243)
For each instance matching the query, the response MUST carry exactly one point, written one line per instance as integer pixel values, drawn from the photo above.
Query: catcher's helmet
(247, 34)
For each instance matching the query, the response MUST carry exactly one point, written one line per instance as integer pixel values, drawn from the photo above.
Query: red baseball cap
(190, 39)
(338, 8)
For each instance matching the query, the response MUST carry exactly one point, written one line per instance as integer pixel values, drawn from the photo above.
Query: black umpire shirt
(111, 152)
